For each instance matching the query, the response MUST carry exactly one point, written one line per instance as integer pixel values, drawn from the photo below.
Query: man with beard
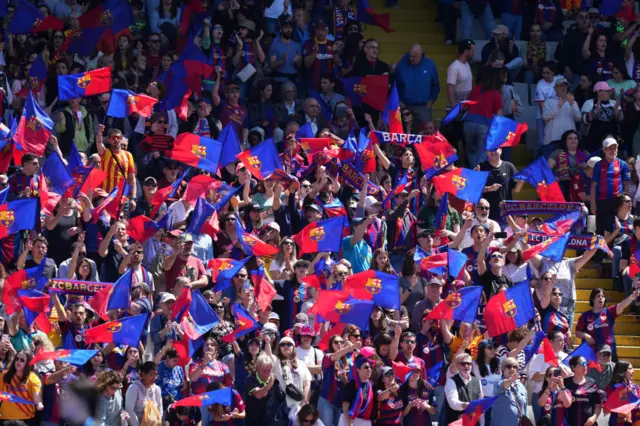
(285, 54)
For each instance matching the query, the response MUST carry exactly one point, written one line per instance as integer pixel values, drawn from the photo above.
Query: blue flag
(230, 146)
(119, 298)
(60, 178)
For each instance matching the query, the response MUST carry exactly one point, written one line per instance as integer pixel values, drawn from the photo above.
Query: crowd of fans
(278, 67)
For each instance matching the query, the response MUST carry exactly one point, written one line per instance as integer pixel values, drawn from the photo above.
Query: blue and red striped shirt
(599, 325)
(609, 178)
(554, 408)
(323, 65)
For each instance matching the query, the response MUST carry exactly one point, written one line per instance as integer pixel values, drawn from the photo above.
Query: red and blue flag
(465, 184)
(199, 318)
(263, 290)
(540, 345)
(113, 14)
(9, 397)
(27, 18)
(460, 108)
(38, 74)
(541, 177)
(204, 219)
(230, 146)
(197, 151)
(561, 224)
(245, 323)
(552, 248)
(220, 396)
(435, 154)
(84, 84)
(474, 411)
(123, 103)
(622, 400)
(17, 216)
(77, 357)
(223, 270)
(455, 263)
(59, 177)
(371, 90)
(338, 307)
(391, 114)
(141, 228)
(459, 305)
(261, 160)
(23, 279)
(322, 236)
(164, 194)
(611, 7)
(34, 128)
(82, 41)
(36, 306)
(503, 132)
(120, 296)
(436, 263)
(97, 211)
(373, 285)
(125, 331)
(509, 309)
(365, 158)
(252, 245)
(367, 15)
(587, 352)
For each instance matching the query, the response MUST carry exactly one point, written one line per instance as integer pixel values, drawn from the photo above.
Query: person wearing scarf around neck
(357, 396)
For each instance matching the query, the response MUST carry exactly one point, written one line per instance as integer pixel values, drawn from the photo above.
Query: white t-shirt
(545, 91)
(307, 356)
(537, 365)
(459, 74)
(468, 241)
(297, 377)
(488, 381)
(516, 273)
(565, 271)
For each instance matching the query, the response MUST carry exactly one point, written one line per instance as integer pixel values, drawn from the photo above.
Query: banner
(356, 179)
(576, 242)
(533, 208)
(81, 288)
(401, 139)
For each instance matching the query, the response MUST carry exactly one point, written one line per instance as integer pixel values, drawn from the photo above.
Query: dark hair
(308, 410)
(11, 372)
(517, 335)
(565, 136)
(620, 201)
(148, 367)
(594, 293)
(518, 261)
(553, 334)
(40, 239)
(27, 158)
(171, 353)
(619, 371)
(636, 223)
(550, 65)
(545, 383)
(494, 363)
(406, 334)
(382, 339)
(464, 45)
(408, 266)
(574, 361)
(173, 12)
(89, 370)
(490, 78)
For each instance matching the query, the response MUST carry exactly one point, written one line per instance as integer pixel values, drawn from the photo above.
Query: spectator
(459, 77)
(595, 53)
(590, 405)
(143, 398)
(478, 9)
(560, 115)
(461, 389)
(567, 160)
(603, 377)
(502, 43)
(318, 55)
(285, 54)
(512, 395)
(512, 11)
(570, 51)
(19, 377)
(110, 406)
(536, 55)
(549, 15)
(414, 64)
(545, 89)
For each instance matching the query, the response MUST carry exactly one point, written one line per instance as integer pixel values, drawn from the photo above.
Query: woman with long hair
(165, 18)
(380, 262)
(378, 323)
(308, 415)
(20, 380)
(93, 368)
(554, 320)
(418, 400)
(622, 377)
(567, 160)
(110, 403)
(590, 404)
(245, 362)
(209, 369)
(619, 230)
(387, 347)
(130, 367)
(487, 367)
(289, 370)
(144, 395)
(336, 365)
(282, 266)
(553, 397)
(389, 404)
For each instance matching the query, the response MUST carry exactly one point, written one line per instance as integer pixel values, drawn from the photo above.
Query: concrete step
(588, 273)
(591, 283)
(612, 296)
(582, 306)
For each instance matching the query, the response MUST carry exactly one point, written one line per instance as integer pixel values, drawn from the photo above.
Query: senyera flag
(322, 236)
(378, 286)
(503, 132)
(77, 357)
(622, 400)
(197, 151)
(465, 184)
(435, 154)
(371, 90)
(261, 160)
(84, 84)
(459, 305)
(123, 103)
(220, 396)
(125, 331)
(34, 128)
(541, 177)
(338, 307)
(509, 309)
(252, 245)
(474, 411)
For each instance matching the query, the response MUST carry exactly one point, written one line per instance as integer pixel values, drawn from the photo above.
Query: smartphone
(500, 235)
(5, 338)
(557, 372)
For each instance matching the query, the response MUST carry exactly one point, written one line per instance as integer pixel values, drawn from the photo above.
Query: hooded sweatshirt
(136, 396)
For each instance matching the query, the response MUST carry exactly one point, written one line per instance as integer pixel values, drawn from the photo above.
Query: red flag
(48, 200)
(550, 356)
(182, 303)
(99, 302)
(182, 109)
(264, 291)
(337, 330)
(198, 187)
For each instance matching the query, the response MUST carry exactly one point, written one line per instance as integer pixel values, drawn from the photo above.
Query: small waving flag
(245, 323)
(77, 357)
(199, 187)
(261, 160)
(474, 411)
(82, 41)
(540, 176)
(622, 400)
(199, 318)
(123, 103)
(97, 211)
(374, 285)
(465, 184)
(225, 270)
(84, 84)
(540, 345)
(371, 90)
(141, 228)
(322, 236)
(197, 151)
(9, 397)
(460, 108)
(252, 245)
(34, 128)
(587, 352)
(125, 331)
(367, 15)
(35, 306)
(365, 159)
(503, 132)
(230, 146)
(263, 290)
(459, 305)
(38, 74)
(436, 263)
(435, 154)
(164, 194)
(338, 307)
(60, 178)
(120, 297)
(204, 219)
(509, 310)
(220, 396)
(455, 263)
(17, 216)
(23, 279)
(552, 248)
(391, 114)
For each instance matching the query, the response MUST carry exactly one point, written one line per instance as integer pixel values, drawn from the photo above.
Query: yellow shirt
(28, 390)
(473, 346)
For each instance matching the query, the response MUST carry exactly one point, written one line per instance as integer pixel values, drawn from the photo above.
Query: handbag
(291, 390)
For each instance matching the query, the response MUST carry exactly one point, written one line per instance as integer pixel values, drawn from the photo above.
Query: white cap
(591, 162)
(167, 297)
(371, 201)
(608, 142)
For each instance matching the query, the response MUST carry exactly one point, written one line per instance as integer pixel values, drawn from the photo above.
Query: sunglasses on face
(219, 308)
(464, 364)
(286, 345)
(243, 276)
(338, 342)
(151, 184)
(496, 256)
(483, 208)
(22, 359)
(306, 186)
(582, 364)
(556, 293)
(162, 122)
(115, 138)
(409, 342)
(605, 354)
(510, 367)
(308, 421)
(366, 367)
(357, 336)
